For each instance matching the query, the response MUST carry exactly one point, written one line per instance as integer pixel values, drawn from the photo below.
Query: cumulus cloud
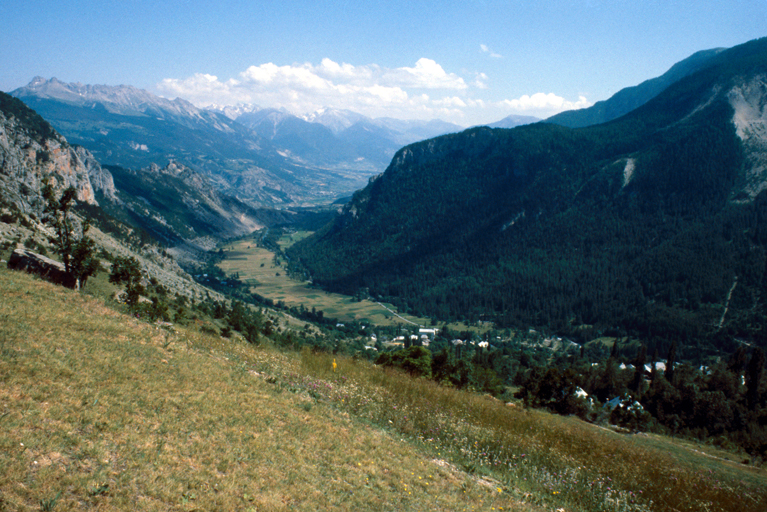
(542, 104)
(306, 87)
(426, 74)
(480, 82)
(422, 91)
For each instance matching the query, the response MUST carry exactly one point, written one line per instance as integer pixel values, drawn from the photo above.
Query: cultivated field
(267, 277)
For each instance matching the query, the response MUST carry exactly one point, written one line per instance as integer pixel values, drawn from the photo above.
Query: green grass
(550, 460)
(101, 411)
(256, 267)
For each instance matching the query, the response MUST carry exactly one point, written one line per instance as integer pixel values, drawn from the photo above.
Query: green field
(257, 267)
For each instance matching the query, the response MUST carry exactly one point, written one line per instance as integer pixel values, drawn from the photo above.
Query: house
(624, 402)
(429, 333)
(658, 366)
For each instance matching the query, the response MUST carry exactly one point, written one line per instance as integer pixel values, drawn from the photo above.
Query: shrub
(415, 360)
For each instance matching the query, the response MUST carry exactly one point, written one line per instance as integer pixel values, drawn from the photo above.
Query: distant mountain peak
(513, 121)
(335, 119)
(121, 99)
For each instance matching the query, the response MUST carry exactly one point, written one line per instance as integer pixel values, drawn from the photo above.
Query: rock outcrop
(23, 259)
(749, 103)
(33, 155)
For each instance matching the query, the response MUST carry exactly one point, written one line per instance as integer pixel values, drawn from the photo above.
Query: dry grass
(546, 459)
(99, 411)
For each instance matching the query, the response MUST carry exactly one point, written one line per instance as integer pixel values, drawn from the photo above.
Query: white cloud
(371, 90)
(451, 102)
(426, 74)
(480, 81)
(484, 49)
(542, 104)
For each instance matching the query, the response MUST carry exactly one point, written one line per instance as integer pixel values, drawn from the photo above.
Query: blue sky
(469, 61)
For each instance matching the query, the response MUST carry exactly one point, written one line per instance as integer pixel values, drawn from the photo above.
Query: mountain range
(340, 138)
(651, 224)
(649, 221)
(262, 156)
(172, 205)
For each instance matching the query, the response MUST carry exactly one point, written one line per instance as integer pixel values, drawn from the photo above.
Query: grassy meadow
(100, 411)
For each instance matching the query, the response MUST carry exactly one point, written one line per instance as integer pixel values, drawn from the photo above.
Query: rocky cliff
(32, 155)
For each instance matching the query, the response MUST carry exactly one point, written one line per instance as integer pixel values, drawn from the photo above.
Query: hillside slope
(100, 410)
(641, 224)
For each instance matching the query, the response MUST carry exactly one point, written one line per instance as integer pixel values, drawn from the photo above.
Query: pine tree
(128, 271)
(77, 253)
(753, 377)
(614, 350)
(669, 374)
(636, 383)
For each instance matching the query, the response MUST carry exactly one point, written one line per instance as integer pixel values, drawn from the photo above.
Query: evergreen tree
(636, 382)
(753, 377)
(669, 374)
(614, 350)
(78, 253)
(654, 368)
(127, 271)
(737, 362)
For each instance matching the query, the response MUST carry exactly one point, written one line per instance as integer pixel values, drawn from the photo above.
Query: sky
(468, 62)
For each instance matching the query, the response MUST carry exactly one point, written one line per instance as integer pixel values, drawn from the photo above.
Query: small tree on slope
(76, 252)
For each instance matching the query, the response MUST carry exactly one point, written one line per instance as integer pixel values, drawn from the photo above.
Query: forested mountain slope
(652, 224)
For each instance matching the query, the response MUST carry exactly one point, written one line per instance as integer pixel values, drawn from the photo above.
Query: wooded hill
(652, 224)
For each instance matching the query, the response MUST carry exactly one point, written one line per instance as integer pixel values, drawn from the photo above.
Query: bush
(415, 360)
